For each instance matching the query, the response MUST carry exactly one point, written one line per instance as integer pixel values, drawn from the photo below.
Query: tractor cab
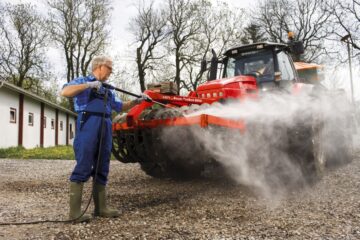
(269, 63)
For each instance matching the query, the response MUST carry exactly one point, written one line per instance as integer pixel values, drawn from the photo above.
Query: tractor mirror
(203, 66)
(297, 47)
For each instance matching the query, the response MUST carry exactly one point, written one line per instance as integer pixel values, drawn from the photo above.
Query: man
(89, 98)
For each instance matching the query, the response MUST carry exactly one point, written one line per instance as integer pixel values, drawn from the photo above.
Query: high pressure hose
(107, 87)
(99, 160)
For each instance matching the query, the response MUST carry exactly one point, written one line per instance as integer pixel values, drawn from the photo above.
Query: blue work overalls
(87, 139)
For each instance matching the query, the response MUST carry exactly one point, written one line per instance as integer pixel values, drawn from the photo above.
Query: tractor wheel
(153, 169)
(163, 159)
(317, 156)
(307, 150)
(340, 144)
(340, 132)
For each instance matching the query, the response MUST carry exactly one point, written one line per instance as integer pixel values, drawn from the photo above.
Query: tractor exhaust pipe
(212, 73)
(213, 66)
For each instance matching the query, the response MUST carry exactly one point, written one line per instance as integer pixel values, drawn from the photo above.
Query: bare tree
(253, 34)
(347, 17)
(190, 29)
(197, 26)
(149, 29)
(23, 40)
(221, 27)
(308, 19)
(185, 28)
(79, 27)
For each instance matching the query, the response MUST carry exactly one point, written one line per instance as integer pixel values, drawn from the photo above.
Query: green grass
(58, 152)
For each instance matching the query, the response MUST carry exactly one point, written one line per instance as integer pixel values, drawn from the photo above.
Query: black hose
(99, 160)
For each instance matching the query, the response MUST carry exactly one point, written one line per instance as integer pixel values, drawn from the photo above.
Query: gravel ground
(165, 209)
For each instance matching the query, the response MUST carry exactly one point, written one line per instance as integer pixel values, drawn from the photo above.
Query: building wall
(9, 131)
(31, 133)
(9, 99)
(49, 131)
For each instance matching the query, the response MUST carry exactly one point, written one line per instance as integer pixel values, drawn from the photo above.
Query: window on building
(44, 120)
(13, 115)
(61, 125)
(31, 119)
(52, 123)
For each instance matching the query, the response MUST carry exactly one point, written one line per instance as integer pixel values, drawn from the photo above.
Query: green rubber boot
(75, 203)
(101, 209)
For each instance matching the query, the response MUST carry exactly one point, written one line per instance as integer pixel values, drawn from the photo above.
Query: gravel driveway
(165, 209)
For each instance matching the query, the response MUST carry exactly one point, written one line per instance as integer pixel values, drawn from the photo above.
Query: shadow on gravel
(154, 192)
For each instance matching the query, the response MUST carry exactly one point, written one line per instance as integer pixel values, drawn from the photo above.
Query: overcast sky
(124, 10)
(121, 38)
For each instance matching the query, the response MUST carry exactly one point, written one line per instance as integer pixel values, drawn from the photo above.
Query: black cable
(99, 160)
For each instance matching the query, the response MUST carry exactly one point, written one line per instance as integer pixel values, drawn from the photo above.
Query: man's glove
(94, 84)
(143, 97)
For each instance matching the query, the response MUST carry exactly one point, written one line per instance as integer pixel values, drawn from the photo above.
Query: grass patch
(58, 152)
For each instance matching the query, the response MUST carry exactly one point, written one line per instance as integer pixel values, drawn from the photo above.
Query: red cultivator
(138, 134)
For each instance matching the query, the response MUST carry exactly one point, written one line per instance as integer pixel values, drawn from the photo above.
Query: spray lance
(147, 98)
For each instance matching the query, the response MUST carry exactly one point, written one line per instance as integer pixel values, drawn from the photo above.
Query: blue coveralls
(89, 105)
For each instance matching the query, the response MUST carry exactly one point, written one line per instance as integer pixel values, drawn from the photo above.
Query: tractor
(243, 73)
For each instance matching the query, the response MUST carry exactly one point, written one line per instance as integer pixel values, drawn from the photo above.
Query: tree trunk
(141, 70)
(177, 70)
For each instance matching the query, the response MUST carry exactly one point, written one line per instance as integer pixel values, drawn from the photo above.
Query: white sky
(121, 38)
(124, 10)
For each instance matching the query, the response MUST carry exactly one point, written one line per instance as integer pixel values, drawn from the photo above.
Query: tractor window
(255, 63)
(230, 68)
(285, 67)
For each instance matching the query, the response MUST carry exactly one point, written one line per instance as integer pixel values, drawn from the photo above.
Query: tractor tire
(340, 144)
(340, 132)
(161, 160)
(153, 169)
(307, 150)
(316, 157)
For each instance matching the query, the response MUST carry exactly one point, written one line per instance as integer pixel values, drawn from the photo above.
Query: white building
(31, 121)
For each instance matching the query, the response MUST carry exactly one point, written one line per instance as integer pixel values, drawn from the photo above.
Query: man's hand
(94, 84)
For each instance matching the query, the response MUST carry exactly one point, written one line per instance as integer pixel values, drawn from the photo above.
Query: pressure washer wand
(106, 85)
